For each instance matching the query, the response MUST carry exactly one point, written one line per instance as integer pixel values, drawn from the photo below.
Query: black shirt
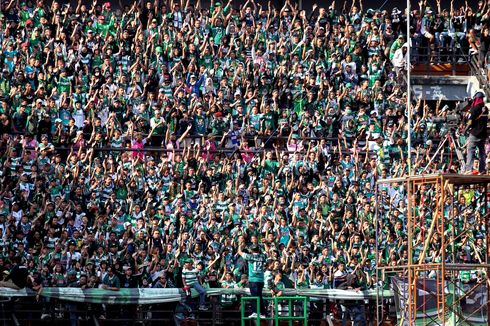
(129, 281)
(479, 119)
(18, 275)
(484, 44)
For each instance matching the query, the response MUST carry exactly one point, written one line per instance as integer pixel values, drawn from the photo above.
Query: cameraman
(477, 124)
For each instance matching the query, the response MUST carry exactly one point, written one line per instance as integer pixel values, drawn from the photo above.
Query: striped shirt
(189, 276)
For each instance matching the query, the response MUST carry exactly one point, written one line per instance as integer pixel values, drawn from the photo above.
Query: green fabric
(256, 266)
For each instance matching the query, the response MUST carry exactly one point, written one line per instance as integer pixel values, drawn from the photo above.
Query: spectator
(190, 280)
(163, 282)
(353, 310)
(17, 278)
(154, 138)
(400, 60)
(256, 263)
(478, 119)
(111, 281)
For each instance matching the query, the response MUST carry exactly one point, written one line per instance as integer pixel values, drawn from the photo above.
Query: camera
(454, 116)
(450, 119)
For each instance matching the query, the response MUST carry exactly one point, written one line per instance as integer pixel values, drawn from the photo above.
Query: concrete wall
(447, 88)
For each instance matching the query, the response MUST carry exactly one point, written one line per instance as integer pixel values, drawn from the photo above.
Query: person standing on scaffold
(477, 126)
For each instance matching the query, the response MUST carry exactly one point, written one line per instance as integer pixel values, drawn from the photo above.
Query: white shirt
(399, 60)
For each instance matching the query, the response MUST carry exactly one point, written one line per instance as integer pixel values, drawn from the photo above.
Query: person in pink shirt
(246, 151)
(30, 142)
(209, 148)
(138, 143)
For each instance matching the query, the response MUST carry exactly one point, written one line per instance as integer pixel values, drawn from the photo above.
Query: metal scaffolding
(440, 249)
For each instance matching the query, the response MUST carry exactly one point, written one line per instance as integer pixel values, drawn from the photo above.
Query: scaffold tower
(444, 278)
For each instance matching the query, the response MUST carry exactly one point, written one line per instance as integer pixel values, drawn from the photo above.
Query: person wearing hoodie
(400, 60)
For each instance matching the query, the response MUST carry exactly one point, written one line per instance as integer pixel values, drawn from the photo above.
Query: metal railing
(277, 312)
(28, 311)
(426, 54)
(331, 142)
(477, 70)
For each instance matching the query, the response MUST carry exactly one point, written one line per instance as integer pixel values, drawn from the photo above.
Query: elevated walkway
(453, 79)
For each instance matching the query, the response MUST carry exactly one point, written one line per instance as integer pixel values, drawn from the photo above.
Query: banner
(7, 292)
(154, 296)
(471, 307)
(123, 296)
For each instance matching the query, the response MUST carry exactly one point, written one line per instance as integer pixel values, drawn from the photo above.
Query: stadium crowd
(140, 141)
(449, 34)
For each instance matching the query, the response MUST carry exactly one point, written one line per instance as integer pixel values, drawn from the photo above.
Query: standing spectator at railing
(353, 310)
(110, 281)
(163, 282)
(228, 282)
(397, 44)
(442, 27)
(256, 267)
(415, 34)
(473, 42)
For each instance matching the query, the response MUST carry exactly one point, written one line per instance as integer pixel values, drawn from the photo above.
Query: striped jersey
(189, 276)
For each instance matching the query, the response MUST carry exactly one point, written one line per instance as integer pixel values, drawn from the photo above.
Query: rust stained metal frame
(446, 187)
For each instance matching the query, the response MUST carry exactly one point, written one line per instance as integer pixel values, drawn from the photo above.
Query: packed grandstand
(146, 140)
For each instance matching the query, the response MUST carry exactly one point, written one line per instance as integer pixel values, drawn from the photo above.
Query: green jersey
(466, 276)
(112, 281)
(256, 266)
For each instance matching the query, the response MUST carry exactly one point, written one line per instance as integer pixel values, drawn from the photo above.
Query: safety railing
(477, 70)
(27, 311)
(425, 54)
(277, 314)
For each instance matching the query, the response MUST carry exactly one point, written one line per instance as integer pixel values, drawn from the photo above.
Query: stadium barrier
(152, 296)
(278, 313)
